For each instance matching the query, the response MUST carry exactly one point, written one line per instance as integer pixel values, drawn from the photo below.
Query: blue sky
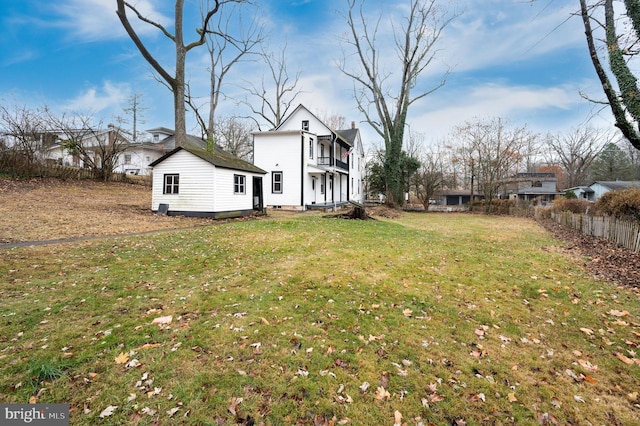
(523, 61)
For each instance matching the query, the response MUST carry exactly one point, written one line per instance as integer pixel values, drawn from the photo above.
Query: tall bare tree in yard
(276, 95)
(621, 49)
(385, 91)
(175, 81)
(229, 41)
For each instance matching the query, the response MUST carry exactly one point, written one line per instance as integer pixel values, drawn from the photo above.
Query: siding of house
(196, 187)
(281, 152)
(226, 199)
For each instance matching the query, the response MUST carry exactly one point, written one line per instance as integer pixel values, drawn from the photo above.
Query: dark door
(258, 201)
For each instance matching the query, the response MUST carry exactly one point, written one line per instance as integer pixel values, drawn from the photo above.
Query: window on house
(147, 159)
(238, 184)
(156, 138)
(322, 151)
(311, 148)
(276, 182)
(322, 179)
(305, 125)
(536, 184)
(127, 159)
(171, 184)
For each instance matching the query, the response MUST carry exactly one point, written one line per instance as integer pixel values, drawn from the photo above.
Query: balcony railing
(342, 165)
(325, 161)
(329, 161)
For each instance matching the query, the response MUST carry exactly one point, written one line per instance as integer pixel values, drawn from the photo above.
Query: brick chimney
(353, 125)
(112, 134)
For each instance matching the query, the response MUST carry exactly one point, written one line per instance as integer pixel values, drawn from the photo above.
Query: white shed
(195, 182)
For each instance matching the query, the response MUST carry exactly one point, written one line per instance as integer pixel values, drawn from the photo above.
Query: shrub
(621, 204)
(573, 205)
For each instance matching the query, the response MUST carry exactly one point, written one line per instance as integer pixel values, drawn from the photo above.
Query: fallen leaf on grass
(587, 365)
(587, 331)
(398, 418)
(512, 397)
(173, 411)
(147, 346)
(617, 313)
(382, 394)
(163, 320)
(148, 411)
(122, 358)
(624, 359)
(108, 411)
(578, 398)
(233, 405)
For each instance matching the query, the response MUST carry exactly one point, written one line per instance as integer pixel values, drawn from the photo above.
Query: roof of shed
(218, 158)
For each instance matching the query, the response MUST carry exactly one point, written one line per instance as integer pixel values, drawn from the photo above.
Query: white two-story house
(308, 164)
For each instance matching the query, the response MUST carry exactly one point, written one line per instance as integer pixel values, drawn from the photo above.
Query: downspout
(302, 170)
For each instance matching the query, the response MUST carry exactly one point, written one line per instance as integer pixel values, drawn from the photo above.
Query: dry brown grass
(47, 209)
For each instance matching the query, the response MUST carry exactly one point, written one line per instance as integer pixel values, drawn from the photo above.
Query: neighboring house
(93, 142)
(582, 192)
(134, 157)
(453, 197)
(600, 188)
(308, 164)
(189, 181)
(531, 186)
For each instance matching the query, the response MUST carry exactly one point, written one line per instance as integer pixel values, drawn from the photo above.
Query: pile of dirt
(603, 259)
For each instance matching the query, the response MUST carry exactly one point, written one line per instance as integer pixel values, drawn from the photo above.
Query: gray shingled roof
(619, 184)
(218, 158)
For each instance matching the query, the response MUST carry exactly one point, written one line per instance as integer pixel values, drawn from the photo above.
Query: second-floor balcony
(330, 161)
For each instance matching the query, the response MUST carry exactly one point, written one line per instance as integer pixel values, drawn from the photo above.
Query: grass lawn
(302, 319)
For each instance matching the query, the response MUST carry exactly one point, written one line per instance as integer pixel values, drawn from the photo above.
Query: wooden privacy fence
(625, 233)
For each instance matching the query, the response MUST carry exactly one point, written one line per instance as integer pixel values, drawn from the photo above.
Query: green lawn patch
(302, 319)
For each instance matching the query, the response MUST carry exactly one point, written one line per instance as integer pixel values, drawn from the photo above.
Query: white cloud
(522, 104)
(91, 20)
(110, 98)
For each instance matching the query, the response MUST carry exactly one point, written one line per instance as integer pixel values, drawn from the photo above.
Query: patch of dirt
(384, 211)
(602, 259)
(51, 209)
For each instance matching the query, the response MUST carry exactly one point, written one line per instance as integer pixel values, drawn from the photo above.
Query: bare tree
(276, 96)
(98, 148)
(234, 136)
(620, 50)
(384, 97)
(494, 152)
(228, 42)
(176, 81)
(135, 108)
(24, 130)
(433, 174)
(575, 151)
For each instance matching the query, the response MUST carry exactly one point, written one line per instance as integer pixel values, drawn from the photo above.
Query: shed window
(171, 184)
(238, 184)
(276, 182)
(305, 125)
